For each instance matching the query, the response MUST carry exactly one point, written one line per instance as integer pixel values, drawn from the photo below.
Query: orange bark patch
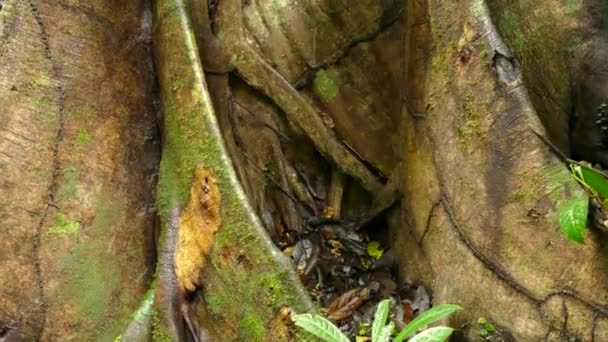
(198, 223)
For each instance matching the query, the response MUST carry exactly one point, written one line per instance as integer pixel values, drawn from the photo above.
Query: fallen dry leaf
(344, 306)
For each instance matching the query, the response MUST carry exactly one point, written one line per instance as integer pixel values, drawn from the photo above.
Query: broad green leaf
(594, 179)
(426, 318)
(374, 250)
(573, 218)
(380, 319)
(320, 327)
(385, 333)
(437, 334)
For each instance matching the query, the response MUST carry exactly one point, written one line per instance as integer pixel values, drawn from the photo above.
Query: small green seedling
(381, 331)
(485, 328)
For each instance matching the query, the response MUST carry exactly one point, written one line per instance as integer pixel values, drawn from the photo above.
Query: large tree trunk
(481, 190)
(420, 112)
(78, 157)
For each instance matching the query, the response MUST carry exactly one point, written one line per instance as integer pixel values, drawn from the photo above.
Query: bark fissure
(596, 308)
(304, 79)
(429, 220)
(495, 268)
(52, 187)
(565, 314)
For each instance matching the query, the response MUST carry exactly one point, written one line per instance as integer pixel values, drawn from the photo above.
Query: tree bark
(296, 110)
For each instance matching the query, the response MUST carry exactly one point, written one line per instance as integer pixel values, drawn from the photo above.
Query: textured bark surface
(486, 188)
(480, 191)
(246, 280)
(298, 90)
(79, 152)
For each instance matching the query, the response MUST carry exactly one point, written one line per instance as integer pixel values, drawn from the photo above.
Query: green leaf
(594, 179)
(426, 318)
(380, 319)
(374, 250)
(573, 218)
(386, 333)
(437, 334)
(320, 327)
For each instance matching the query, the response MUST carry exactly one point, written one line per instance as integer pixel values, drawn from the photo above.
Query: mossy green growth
(84, 136)
(187, 145)
(572, 6)
(253, 328)
(521, 195)
(508, 256)
(42, 81)
(93, 279)
(160, 333)
(63, 226)
(217, 301)
(468, 121)
(87, 272)
(325, 85)
(40, 102)
(69, 188)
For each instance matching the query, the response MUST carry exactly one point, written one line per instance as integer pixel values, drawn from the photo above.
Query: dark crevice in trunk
(305, 79)
(52, 187)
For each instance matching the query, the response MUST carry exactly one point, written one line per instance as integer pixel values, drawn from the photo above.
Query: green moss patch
(64, 227)
(92, 276)
(253, 328)
(39, 102)
(69, 188)
(325, 85)
(84, 136)
(468, 121)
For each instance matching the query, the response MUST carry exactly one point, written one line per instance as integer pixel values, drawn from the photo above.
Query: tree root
(259, 74)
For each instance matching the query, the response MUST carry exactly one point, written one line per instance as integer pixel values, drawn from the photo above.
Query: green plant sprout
(573, 214)
(381, 331)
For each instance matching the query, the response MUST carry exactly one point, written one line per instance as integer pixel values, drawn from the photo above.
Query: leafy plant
(426, 318)
(485, 328)
(380, 319)
(382, 332)
(573, 218)
(320, 327)
(573, 214)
